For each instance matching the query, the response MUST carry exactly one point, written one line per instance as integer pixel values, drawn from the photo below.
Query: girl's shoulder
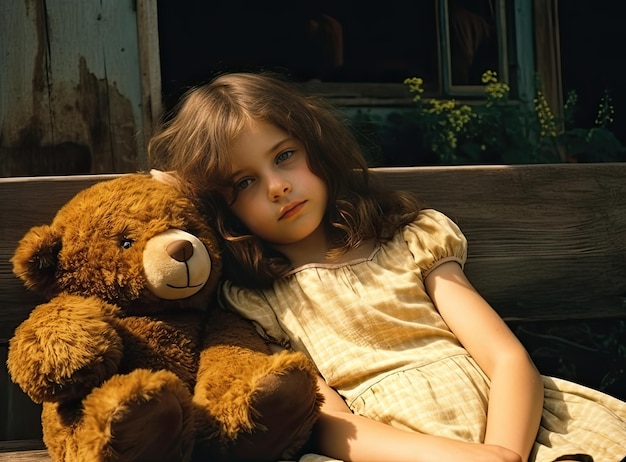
(432, 214)
(432, 238)
(432, 222)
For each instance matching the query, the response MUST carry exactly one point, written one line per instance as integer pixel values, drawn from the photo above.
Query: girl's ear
(35, 259)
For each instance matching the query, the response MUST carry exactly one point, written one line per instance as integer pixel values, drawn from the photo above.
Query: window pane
(331, 41)
(476, 35)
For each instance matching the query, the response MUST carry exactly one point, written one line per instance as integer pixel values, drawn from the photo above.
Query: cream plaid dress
(376, 337)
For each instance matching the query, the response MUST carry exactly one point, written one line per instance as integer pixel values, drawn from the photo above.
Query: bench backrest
(545, 241)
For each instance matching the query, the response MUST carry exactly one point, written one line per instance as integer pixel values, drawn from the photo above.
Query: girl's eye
(243, 184)
(283, 156)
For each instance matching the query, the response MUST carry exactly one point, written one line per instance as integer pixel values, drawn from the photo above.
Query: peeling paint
(94, 129)
(67, 113)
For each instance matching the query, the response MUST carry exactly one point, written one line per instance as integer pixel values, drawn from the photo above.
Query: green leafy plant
(510, 132)
(595, 144)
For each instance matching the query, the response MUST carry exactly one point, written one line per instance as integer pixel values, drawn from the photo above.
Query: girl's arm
(516, 395)
(346, 436)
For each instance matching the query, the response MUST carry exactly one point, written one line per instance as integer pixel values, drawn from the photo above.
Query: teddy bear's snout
(180, 250)
(176, 264)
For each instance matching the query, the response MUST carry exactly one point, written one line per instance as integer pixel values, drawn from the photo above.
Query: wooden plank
(13, 451)
(150, 64)
(27, 450)
(23, 87)
(25, 456)
(545, 241)
(21, 445)
(70, 105)
(27, 202)
(19, 416)
(100, 75)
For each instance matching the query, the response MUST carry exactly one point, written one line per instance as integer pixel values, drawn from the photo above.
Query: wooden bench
(546, 243)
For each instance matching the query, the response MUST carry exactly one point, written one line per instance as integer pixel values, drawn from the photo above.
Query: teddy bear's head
(133, 241)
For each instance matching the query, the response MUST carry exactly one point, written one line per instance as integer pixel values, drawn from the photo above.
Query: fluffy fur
(130, 356)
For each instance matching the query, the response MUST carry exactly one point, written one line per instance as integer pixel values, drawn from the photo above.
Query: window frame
(516, 57)
(445, 56)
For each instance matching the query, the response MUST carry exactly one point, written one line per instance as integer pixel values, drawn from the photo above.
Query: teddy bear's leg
(142, 416)
(59, 421)
(266, 412)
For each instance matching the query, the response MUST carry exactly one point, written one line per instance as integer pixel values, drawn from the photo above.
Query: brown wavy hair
(195, 144)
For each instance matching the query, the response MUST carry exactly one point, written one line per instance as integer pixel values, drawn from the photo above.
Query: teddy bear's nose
(180, 250)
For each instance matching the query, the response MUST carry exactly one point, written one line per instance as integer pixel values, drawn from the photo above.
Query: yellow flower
(544, 114)
(497, 90)
(415, 86)
(489, 77)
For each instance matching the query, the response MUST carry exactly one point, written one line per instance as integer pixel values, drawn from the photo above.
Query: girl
(326, 261)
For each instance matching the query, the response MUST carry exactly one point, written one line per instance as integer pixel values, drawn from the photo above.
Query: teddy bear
(130, 353)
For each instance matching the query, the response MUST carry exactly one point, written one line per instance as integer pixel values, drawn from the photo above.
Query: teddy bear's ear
(36, 257)
(168, 178)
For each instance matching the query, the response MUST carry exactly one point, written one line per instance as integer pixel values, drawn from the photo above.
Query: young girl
(326, 261)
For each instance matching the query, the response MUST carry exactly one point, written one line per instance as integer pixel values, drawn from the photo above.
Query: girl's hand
(350, 437)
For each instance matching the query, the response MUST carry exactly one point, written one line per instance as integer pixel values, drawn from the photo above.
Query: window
(358, 53)
(474, 39)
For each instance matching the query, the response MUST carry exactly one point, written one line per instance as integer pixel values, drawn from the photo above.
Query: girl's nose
(279, 188)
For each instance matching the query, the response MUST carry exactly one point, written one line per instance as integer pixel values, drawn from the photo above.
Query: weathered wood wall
(71, 87)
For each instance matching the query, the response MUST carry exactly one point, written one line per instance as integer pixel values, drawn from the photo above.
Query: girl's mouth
(290, 210)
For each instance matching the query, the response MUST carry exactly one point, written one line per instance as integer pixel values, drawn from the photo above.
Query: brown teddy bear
(131, 356)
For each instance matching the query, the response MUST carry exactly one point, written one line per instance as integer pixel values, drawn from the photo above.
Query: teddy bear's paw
(265, 411)
(287, 408)
(277, 420)
(60, 353)
(141, 416)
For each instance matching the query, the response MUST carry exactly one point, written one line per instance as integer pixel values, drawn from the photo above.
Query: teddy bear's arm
(256, 405)
(64, 349)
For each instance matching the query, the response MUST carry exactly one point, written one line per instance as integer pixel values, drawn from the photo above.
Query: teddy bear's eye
(126, 243)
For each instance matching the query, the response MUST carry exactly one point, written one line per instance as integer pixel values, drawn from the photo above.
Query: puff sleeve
(253, 305)
(433, 239)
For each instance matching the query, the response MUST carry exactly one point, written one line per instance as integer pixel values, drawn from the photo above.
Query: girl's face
(276, 195)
